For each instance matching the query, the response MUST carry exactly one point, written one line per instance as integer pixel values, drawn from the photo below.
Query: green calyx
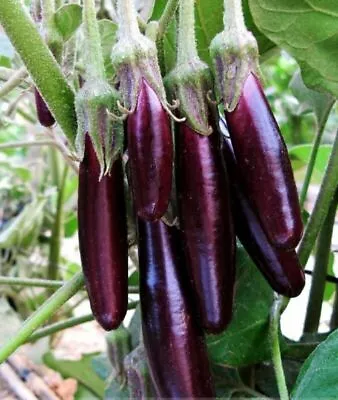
(190, 83)
(135, 58)
(96, 109)
(234, 57)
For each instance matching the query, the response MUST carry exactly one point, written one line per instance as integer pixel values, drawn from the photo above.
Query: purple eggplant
(103, 238)
(45, 117)
(206, 222)
(264, 167)
(150, 150)
(280, 267)
(173, 340)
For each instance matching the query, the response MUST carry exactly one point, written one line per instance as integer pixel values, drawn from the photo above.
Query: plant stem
(14, 81)
(69, 323)
(40, 63)
(233, 18)
(334, 315)
(55, 242)
(167, 16)
(313, 156)
(93, 49)
(26, 143)
(186, 50)
(275, 348)
(27, 282)
(128, 22)
(43, 313)
(316, 296)
(327, 190)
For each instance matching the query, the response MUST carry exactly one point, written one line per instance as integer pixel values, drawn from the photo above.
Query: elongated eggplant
(45, 117)
(206, 222)
(280, 267)
(264, 167)
(150, 151)
(173, 340)
(103, 238)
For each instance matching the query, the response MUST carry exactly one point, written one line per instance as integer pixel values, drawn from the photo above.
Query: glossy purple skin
(206, 222)
(173, 340)
(265, 169)
(103, 239)
(150, 150)
(44, 115)
(280, 267)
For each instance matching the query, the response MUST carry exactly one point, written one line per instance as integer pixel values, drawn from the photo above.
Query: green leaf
(307, 29)
(70, 225)
(81, 370)
(209, 22)
(67, 19)
(245, 341)
(108, 33)
(318, 376)
(300, 156)
(310, 100)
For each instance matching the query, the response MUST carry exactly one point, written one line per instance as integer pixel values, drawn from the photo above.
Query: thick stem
(233, 18)
(47, 11)
(167, 16)
(186, 50)
(14, 81)
(313, 156)
(69, 323)
(275, 348)
(42, 314)
(316, 296)
(93, 49)
(327, 190)
(40, 63)
(55, 242)
(128, 22)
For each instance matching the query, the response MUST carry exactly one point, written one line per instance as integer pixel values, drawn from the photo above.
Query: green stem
(233, 18)
(27, 282)
(42, 314)
(93, 49)
(128, 22)
(167, 16)
(40, 63)
(55, 242)
(327, 190)
(275, 348)
(186, 50)
(313, 156)
(14, 81)
(334, 315)
(316, 296)
(26, 143)
(69, 323)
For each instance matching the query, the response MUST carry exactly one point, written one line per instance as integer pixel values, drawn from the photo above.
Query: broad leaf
(67, 19)
(108, 31)
(318, 376)
(245, 341)
(307, 29)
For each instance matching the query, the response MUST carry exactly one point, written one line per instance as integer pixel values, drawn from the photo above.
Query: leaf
(108, 33)
(67, 19)
(81, 370)
(70, 225)
(300, 156)
(307, 29)
(209, 22)
(318, 376)
(310, 100)
(102, 366)
(245, 341)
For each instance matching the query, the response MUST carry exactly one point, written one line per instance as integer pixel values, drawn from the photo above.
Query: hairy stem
(313, 156)
(316, 296)
(275, 348)
(186, 50)
(42, 314)
(128, 22)
(167, 16)
(14, 81)
(40, 64)
(233, 18)
(326, 193)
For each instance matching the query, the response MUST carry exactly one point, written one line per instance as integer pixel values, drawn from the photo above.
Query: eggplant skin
(150, 149)
(264, 166)
(207, 226)
(173, 340)
(44, 115)
(280, 267)
(103, 239)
